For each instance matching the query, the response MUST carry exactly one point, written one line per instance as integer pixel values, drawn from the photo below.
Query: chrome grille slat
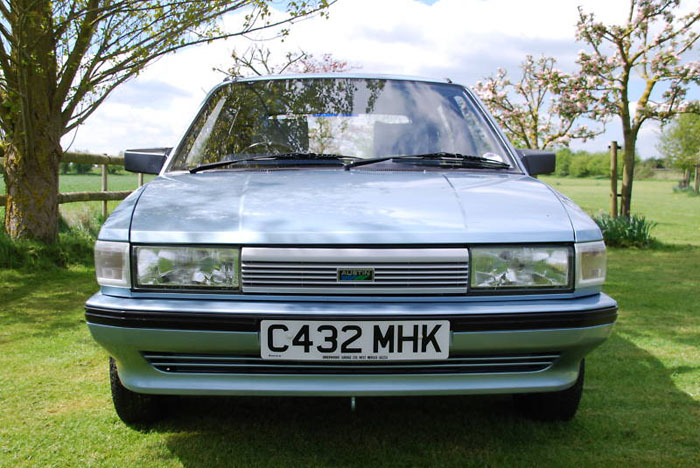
(332, 266)
(315, 271)
(235, 364)
(302, 282)
(377, 277)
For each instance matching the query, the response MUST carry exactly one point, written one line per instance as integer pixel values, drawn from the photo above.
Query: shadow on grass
(654, 290)
(40, 304)
(631, 413)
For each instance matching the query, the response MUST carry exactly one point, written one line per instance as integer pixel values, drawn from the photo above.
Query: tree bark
(613, 179)
(31, 209)
(686, 178)
(629, 145)
(33, 127)
(697, 179)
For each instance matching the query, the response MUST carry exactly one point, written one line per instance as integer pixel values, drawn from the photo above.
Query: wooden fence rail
(103, 195)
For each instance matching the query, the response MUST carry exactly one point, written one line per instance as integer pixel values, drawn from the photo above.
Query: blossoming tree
(540, 110)
(651, 45)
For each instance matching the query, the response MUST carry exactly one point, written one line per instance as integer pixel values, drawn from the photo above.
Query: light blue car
(347, 235)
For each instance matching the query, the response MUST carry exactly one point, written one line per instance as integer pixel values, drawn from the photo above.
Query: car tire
(132, 407)
(553, 406)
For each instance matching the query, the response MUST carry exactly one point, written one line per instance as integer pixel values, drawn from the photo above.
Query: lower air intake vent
(236, 364)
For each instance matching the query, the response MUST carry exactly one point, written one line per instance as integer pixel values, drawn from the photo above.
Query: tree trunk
(627, 172)
(697, 179)
(33, 126)
(686, 178)
(613, 179)
(31, 210)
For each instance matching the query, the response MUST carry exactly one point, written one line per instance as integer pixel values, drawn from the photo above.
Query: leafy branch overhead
(99, 44)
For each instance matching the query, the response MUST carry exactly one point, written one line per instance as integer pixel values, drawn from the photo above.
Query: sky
(464, 40)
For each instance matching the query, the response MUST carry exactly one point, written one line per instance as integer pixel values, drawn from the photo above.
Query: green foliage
(625, 231)
(74, 247)
(583, 163)
(680, 141)
(644, 170)
(81, 168)
(687, 189)
(655, 163)
(26, 254)
(563, 166)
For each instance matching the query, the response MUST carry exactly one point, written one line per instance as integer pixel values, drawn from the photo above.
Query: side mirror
(537, 161)
(145, 161)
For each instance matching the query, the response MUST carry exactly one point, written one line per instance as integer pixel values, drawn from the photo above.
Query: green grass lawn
(641, 404)
(677, 214)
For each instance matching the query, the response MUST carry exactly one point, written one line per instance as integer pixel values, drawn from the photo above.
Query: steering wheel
(268, 145)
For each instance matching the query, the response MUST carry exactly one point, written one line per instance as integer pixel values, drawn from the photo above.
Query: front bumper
(129, 328)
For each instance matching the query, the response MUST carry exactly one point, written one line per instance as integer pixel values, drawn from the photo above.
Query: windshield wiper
(442, 158)
(295, 156)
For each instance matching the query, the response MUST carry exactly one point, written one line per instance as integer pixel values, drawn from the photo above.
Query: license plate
(405, 340)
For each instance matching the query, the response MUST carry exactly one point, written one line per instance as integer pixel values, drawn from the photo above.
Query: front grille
(236, 364)
(317, 271)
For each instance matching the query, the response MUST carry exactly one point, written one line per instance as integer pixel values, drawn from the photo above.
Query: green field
(641, 403)
(677, 214)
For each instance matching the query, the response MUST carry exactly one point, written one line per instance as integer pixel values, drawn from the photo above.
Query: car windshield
(357, 118)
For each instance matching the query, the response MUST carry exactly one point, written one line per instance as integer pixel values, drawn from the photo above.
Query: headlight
(495, 268)
(112, 264)
(591, 261)
(187, 267)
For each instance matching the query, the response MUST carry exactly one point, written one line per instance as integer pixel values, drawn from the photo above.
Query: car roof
(341, 75)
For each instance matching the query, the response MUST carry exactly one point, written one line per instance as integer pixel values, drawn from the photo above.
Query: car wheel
(553, 406)
(132, 407)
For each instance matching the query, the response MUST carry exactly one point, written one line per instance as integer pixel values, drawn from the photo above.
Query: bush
(599, 164)
(70, 249)
(687, 189)
(644, 171)
(623, 231)
(74, 247)
(583, 164)
(579, 167)
(81, 168)
(564, 157)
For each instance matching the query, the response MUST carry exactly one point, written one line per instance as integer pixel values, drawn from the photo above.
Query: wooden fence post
(613, 178)
(104, 189)
(140, 179)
